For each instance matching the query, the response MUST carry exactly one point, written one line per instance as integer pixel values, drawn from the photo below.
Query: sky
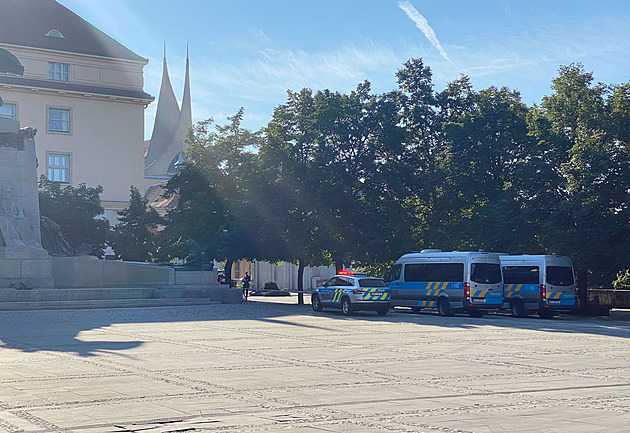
(248, 53)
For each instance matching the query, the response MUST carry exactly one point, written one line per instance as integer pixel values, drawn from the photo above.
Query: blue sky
(247, 53)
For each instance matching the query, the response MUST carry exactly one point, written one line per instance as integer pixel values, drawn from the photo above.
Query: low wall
(610, 297)
(285, 275)
(88, 277)
(91, 272)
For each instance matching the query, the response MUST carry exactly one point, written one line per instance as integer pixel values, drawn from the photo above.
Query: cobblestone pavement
(271, 365)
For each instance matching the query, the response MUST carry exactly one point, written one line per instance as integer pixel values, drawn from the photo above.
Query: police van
(538, 283)
(452, 282)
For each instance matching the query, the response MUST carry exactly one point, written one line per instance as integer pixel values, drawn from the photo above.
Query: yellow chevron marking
(444, 286)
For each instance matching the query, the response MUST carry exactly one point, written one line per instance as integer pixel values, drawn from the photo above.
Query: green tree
(491, 158)
(623, 280)
(77, 211)
(333, 164)
(590, 218)
(134, 237)
(213, 193)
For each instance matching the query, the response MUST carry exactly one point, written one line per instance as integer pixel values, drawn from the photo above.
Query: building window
(58, 167)
(58, 71)
(59, 120)
(54, 33)
(9, 111)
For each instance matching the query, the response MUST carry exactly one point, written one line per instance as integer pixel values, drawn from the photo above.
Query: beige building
(83, 91)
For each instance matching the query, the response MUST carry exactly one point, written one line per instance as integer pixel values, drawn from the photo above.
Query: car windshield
(486, 273)
(559, 275)
(372, 282)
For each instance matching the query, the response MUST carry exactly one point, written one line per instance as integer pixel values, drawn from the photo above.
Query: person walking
(246, 282)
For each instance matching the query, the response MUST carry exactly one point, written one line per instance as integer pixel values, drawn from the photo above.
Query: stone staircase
(116, 297)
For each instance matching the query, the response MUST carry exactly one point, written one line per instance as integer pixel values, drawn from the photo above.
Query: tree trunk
(300, 277)
(582, 276)
(228, 271)
(338, 267)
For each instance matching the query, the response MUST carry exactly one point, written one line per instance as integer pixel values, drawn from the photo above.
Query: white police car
(351, 292)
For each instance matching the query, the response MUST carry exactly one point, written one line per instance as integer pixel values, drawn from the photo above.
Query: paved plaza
(270, 365)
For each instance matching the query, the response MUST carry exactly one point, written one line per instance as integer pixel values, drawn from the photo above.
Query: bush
(77, 211)
(270, 285)
(623, 280)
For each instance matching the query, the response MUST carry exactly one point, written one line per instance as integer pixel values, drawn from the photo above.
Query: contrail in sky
(423, 25)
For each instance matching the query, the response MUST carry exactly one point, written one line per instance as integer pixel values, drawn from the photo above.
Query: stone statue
(196, 259)
(9, 63)
(15, 228)
(52, 238)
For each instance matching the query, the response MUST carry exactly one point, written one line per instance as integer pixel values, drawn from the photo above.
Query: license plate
(479, 300)
(553, 302)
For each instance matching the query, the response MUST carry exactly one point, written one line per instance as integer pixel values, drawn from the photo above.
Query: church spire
(184, 122)
(166, 120)
(185, 119)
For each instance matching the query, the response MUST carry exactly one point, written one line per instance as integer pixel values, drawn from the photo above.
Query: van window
(486, 273)
(559, 275)
(394, 273)
(451, 272)
(521, 275)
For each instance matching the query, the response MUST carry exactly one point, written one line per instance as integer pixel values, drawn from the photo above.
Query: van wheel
(476, 313)
(545, 313)
(444, 308)
(346, 307)
(316, 303)
(516, 308)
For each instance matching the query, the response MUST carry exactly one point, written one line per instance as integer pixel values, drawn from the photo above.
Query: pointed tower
(167, 140)
(185, 122)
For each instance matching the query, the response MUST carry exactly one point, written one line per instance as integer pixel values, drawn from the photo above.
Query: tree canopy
(77, 211)
(364, 177)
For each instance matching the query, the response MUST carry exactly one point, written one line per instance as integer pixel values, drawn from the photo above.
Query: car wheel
(444, 308)
(382, 311)
(476, 313)
(416, 310)
(545, 313)
(316, 303)
(346, 307)
(516, 308)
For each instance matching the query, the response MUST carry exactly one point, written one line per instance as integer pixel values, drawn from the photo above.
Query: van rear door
(486, 284)
(560, 286)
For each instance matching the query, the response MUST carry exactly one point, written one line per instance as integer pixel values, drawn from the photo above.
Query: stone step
(27, 299)
(109, 303)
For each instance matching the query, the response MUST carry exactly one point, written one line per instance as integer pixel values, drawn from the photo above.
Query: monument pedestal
(30, 266)
(25, 269)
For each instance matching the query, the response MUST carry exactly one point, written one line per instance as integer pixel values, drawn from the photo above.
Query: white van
(538, 283)
(452, 282)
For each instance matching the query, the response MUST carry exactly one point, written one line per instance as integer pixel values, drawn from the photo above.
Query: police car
(351, 292)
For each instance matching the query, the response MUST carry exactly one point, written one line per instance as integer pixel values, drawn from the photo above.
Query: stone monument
(24, 264)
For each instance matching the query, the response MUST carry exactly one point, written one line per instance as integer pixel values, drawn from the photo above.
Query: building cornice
(76, 90)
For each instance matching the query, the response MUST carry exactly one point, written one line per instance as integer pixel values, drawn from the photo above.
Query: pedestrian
(246, 281)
